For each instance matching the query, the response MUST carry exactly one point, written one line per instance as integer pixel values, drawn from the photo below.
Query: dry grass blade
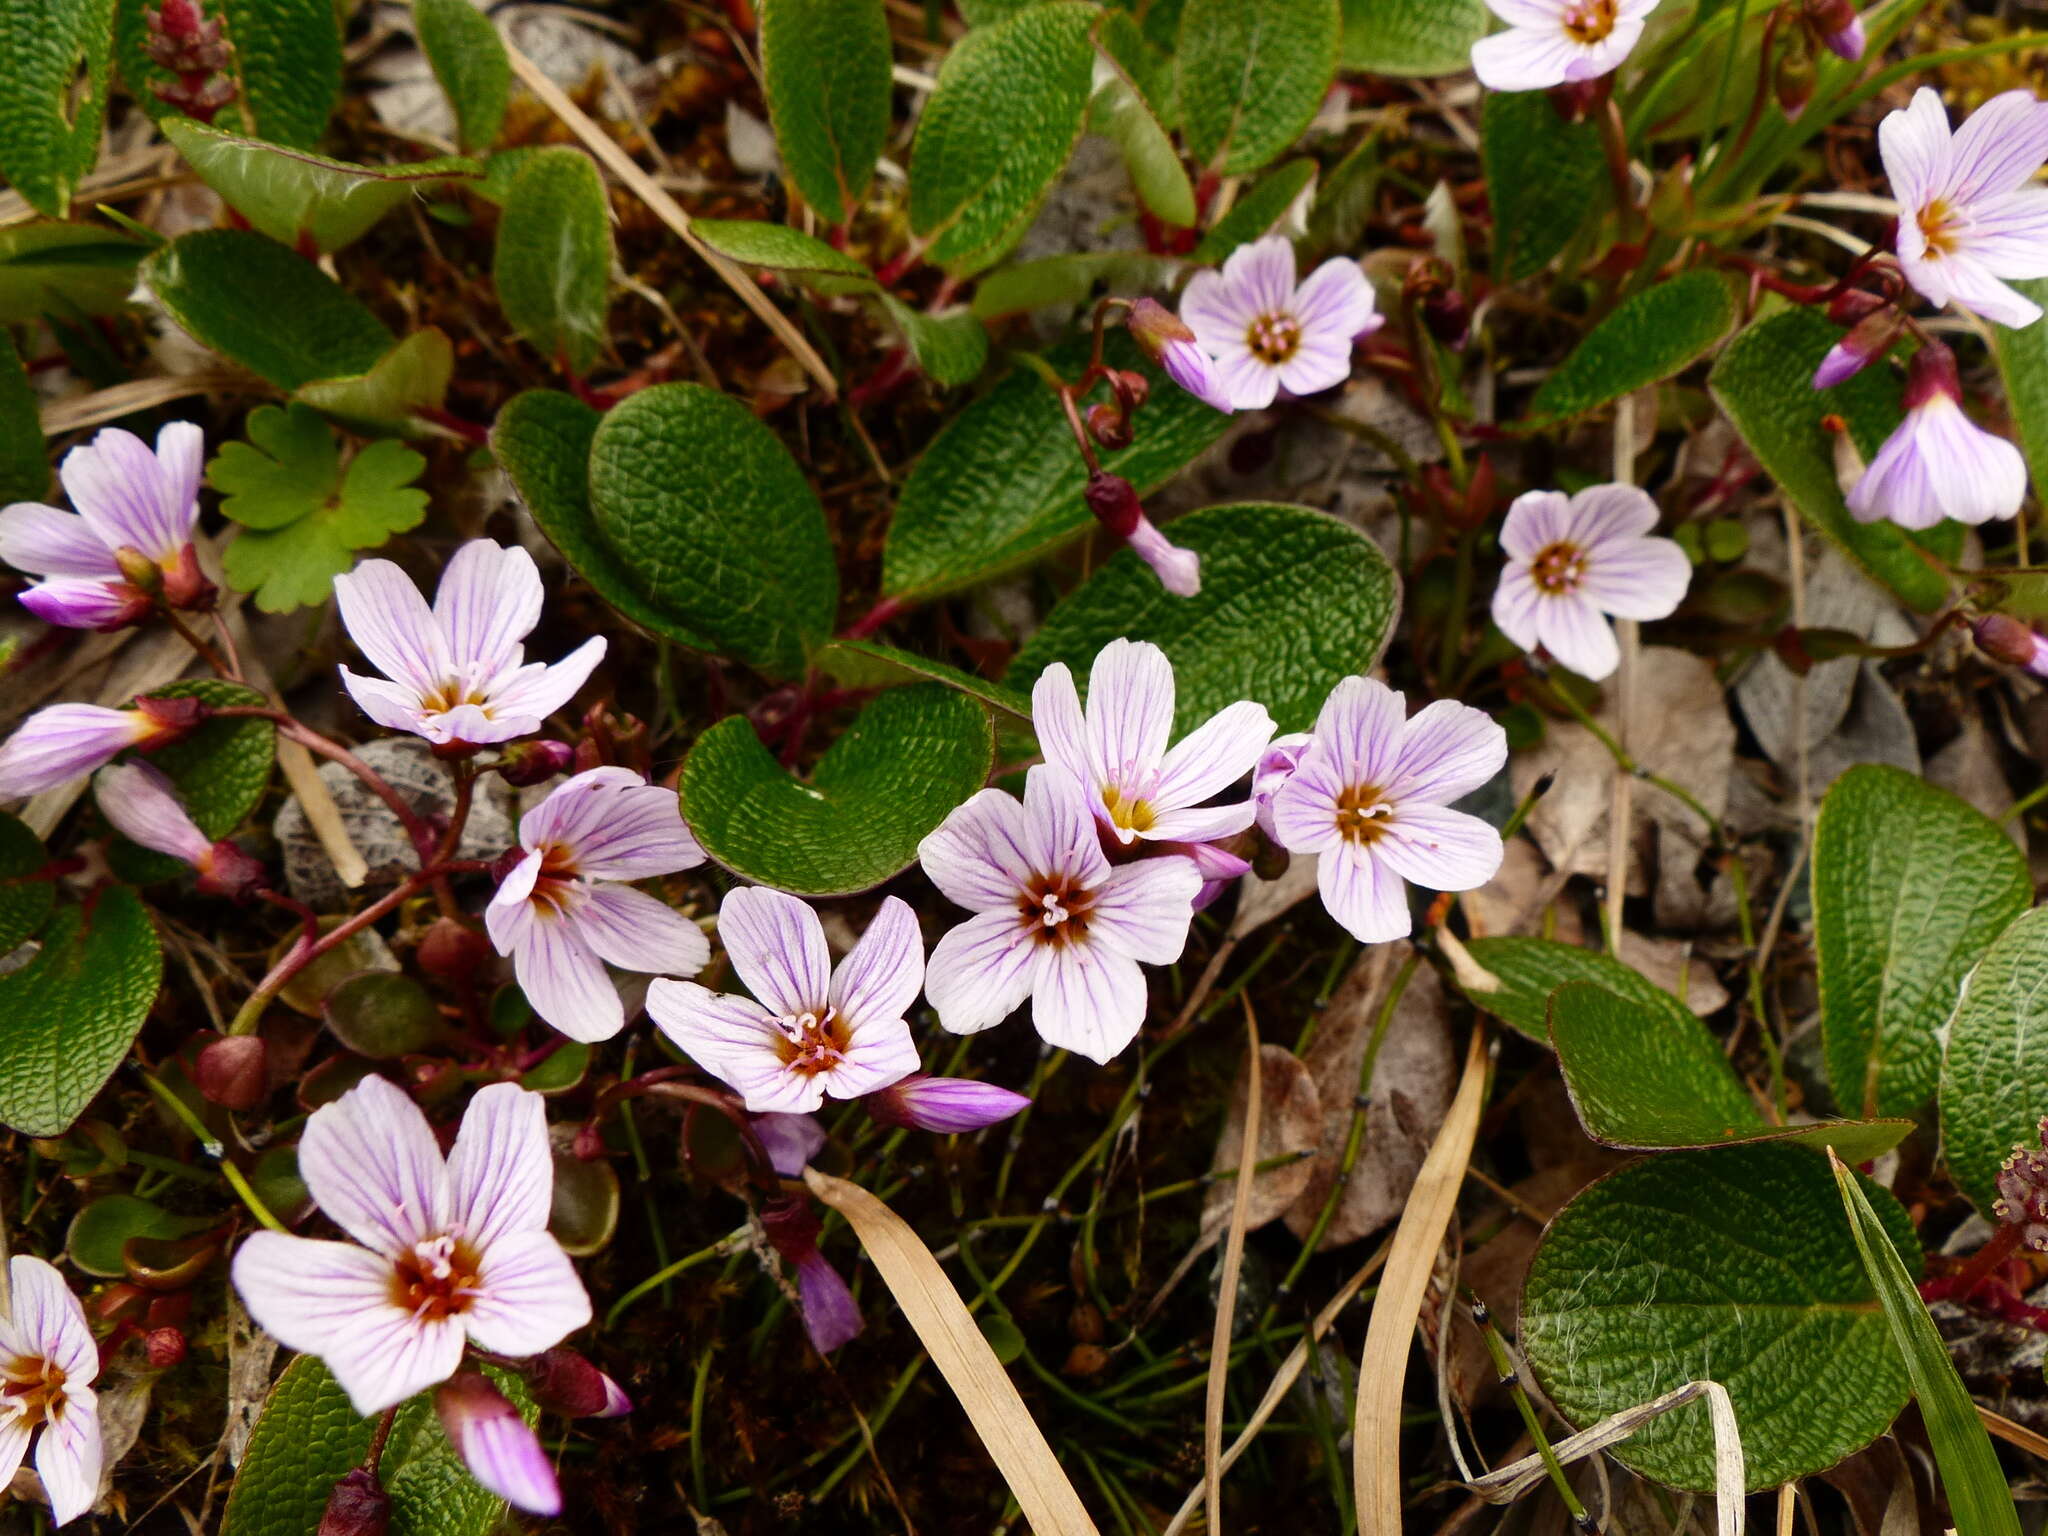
(1226, 1295)
(670, 212)
(116, 401)
(1383, 1367)
(963, 1357)
(2014, 1434)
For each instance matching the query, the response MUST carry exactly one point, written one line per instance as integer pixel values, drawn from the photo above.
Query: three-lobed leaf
(1910, 886)
(468, 58)
(1996, 1059)
(1650, 337)
(1252, 76)
(825, 68)
(55, 63)
(554, 256)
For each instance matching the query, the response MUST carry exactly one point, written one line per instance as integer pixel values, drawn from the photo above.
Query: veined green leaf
(288, 57)
(468, 58)
(1252, 76)
(1654, 335)
(950, 348)
(1411, 37)
(25, 900)
(778, 248)
(554, 257)
(1257, 212)
(55, 62)
(2023, 363)
(1123, 114)
(398, 389)
(825, 65)
(866, 664)
(24, 456)
(1996, 1059)
(1545, 179)
(65, 270)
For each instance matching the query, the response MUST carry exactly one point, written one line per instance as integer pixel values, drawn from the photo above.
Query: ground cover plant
(839, 765)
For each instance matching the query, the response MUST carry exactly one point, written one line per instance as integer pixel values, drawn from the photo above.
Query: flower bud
(451, 950)
(1792, 79)
(1868, 340)
(1108, 426)
(359, 1506)
(1132, 388)
(496, 1444)
(1838, 27)
(528, 763)
(233, 1072)
(1932, 372)
(138, 570)
(1155, 327)
(1853, 304)
(951, 1106)
(563, 1382)
(164, 1348)
(171, 719)
(2007, 639)
(1114, 501)
(184, 585)
(227, 870)
(1179, 570)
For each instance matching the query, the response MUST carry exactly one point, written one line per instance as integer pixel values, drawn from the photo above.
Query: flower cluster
(2023, 1192)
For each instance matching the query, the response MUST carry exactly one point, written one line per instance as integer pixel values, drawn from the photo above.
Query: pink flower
(562, 915)
(133, 525)
(790, 1141)
(814, 1030)
(457, 672)
(1117, 747)
(831, 1315)
(1275, 767)
(1054, 922)
(1370, 798)
(498, 1446)
(446, 1252)
(48, 1362)
(1557, 42)
(1967, 216)
(1173, 347)
(1572, 562)
(1114, 501)
(1938, 463)
(140, 804)
(1267, 334)
(67, 741)
(951, 1106)
(2009, 640)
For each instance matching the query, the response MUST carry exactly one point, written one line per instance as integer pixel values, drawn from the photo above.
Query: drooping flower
(2009, 640)
(68, 741)
(1267, 334)
(1967, 214)
(141, 805)
(1371, 796)
(790, 1141)
(1938, 463)
(1838, 26)
(498, 1446)
(48, 1362)
(1557, 42)
(562, 914)
(563, 1381)
(1573, 561)
(457, 672)
(129, 539)
(952, 1106)
(1114, 501)
(1170, 344)
(831, 1315)
(809, 1030)
(444, 1252)
(1053, 921)
(1863, 344)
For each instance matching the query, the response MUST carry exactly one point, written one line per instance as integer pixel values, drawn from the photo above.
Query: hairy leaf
(1996, 1061)
(554, 257)
(55, 62)
(468, 58)
(1652, 336)
(1545, 179)
(1252, 76)
(825, 65)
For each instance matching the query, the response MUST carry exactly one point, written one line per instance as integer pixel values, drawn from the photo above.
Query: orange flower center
(1559, 569)
(35, 1395)
(1131, 813)
(1363, 814)
(1938, 228)
(813, 1042)
(1590, 21)
(1055, 910)
(1273, 338)
(437, 1279)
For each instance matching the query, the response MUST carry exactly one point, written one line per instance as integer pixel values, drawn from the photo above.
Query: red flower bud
(1108, 426)
(359, 1506)
(453, 951)
(234, 1072)
(563, 1382)
(534, 762)
(1114, 501)
(164, 1348)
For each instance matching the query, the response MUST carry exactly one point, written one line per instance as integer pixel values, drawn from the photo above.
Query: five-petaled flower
(809, 1030)
(561, 913)
(1266, 334)
(1967, 216)
(48, 1361)
(1557, 42)
(1370, 798)
(1572, 562)
(445, 1252)
(1117, 747)
(1053, 921)
(1938, 463)
(457, 673)
(130, 540)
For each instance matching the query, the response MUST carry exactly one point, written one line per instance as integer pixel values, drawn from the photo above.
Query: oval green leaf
(25, 899)
(949, 349)
(1910, 886)
(1255, 214)
(913, 755)
(1121, 113)
(222, 769)
(1652, 336)
(410, 379)
(1530, 969)
(1996, 1064)
(1292, 602)
(865, 664)
(468, 58)
(1252, 76)
(1731, 1265)
(1545, 178)
(98, 1232)
(791, 252)
(55, 61)
(288, 61)
(554, 256)
(2023, 364)
(1411, 37)
(65, 270)
(825, 67)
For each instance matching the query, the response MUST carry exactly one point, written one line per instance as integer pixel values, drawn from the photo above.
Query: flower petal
(720, 1031)
(1201, 824)
(777, 945)
(140, 804)
(1218, 312)
(15, 1434)
(1335, 302)
(1130, 713)
(1603, 514)
(1447, 751)
(1059, 827)
(977, 856)
(1642, 579)
(1056, 717)
(1367, 898)
(1213, 756)
(65, 742)
(501, 1175)
(1262, 271)
(1523, 59)
(831, 1315)
(128, 497)
(877, 1055)
(633, 931)
(565, 981)
(391, 624)
(1303, 809)
(614, 825)
(47, 1322)
(1359, 728)
(1535, 521)
(1999, 147)
(1914, 145)
(46, 542)
(1577, 634)
(371, 1162)
(498, 1446)
(882, 974)
(530, 1297)
(395, 706)
(1439, 849)
(534, 692)
(1087, 999)
(488, 602)
(1143, 909)
(980, 971)
(69, 1456)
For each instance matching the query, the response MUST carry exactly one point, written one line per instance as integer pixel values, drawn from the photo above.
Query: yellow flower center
(34, 1395)
(437, 1279)
(1273, 338)
(812, 1042)
(1938, 227)
(1590, 21)
(453, 694)
(1559, 569)
(1133, 815)
(1363, 814)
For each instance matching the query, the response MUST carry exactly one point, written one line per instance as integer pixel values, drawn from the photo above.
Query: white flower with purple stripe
(1938, 463)
(497, 1445)
(444, 1252)
(67, 741)
(562, 914)
(1266, 334)
(1573, 561)
(1370, 799)
(809, 1030)
(1054, 922)
(128, 499)
(1968, 215)
(457, 672)
(48, 1362)
(1557, 42)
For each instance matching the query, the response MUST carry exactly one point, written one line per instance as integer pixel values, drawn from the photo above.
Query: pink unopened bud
(952, 1106)
(1793, 78)
(138, 570)
(2007, 639)
(1853, 304)
(451, 950)
(1154, 327)
(1179, 570)
(2023, 1192)
(1868, 340)
(534, 762)
(359, 1506)
(163, 1348)
(1114, 501)
(234, 1072)
(171, 719)
(1838, 27)
(563, 1382)
(496, 1444)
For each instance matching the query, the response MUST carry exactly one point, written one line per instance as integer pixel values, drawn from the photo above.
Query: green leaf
(1545, 178)
(98, 1232)
(257, 304)
(55, 61)
(1122, 114)
(1997, 1059)
(295, 196)
(791, 252)
(1980, 1500)
(1050, 280)
(223, 768)
(1531, 969)
(304, 516)
(65, 270)
(1255, 214)
(1252, 76)
(825, 67)
(1411, 37)
(468, 58)
(1910, 886)
(1764, 382)
(913, 755)
(1652, 336)
(405, 382)
(1655, 1078)
(288, 55)
(715, 525)
(25, 901)
(24, 456)
(864, 664)
(1003, 484)
(997, 131)
(950, 349)
(2023, 363)
(73, 1011)
(1727, 1265)
(1267, 570)
(554, 258)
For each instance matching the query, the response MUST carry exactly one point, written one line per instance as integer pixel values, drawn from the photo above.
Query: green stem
(661, 1277)
(1513, 1380)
